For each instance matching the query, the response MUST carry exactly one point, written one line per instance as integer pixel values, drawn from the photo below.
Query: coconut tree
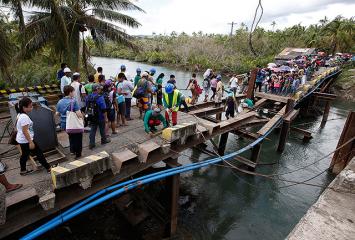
(339, 30)
(6, 48)
(59, 19)
(16, 8)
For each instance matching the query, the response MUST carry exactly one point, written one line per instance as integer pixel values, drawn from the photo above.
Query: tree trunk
(19, 13)
(74, 47)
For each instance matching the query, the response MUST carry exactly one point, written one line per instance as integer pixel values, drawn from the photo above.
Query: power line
(232, 26)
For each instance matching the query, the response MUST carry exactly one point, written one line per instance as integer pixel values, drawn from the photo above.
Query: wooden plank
(207, 111)
(273, 120)
(211, 119)
(251, 83)
(292, 115)
(245, 161)
(305, 133)
(325, 95)
(208, 125)
(232, 121)
(272, 97)
(260, 102)
(246, 134)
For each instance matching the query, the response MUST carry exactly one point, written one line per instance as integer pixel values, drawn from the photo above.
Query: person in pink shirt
(213, 86)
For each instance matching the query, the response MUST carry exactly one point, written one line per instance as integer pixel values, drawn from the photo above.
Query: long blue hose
(130, 184)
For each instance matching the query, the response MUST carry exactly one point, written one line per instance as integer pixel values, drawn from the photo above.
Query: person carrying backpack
(141, 92)
(195, 89)
(111, 106)
(97, 115)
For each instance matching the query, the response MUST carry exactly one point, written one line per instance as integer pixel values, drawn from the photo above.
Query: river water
(229, 205)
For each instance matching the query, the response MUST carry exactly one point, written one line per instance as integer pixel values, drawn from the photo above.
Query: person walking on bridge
(171, 100)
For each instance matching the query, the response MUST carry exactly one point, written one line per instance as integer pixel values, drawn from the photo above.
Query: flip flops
(26, 173)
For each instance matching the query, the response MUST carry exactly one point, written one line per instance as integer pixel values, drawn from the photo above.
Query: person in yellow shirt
(97, 74)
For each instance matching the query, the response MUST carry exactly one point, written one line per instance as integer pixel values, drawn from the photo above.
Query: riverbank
(332, 216)
(344, 87)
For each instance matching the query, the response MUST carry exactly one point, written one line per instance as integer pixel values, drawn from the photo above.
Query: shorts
(122, 108)
(111, 115)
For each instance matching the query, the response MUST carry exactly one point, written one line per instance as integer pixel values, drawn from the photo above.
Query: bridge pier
(343, 156)
(174, 182)
(285, 126)
(325, 114)
(222, 143)
(255, 154)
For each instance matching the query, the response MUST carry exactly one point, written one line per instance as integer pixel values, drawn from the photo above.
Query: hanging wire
(252, 29)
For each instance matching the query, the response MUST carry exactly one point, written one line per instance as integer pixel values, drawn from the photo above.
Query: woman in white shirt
(24, 137)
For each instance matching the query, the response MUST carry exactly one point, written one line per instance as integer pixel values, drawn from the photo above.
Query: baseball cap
(66, 70)
(76, 74)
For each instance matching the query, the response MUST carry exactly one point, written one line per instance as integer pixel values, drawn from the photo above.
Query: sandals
(17, 186)
(26, 173)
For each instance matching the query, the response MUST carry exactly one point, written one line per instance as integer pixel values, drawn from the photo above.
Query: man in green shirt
(88, 86)
(152, 119)
(137, 77)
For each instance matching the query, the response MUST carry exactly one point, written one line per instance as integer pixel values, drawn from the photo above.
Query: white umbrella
(271, 65)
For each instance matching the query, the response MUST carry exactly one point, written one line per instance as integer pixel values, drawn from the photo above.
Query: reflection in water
(232, 205)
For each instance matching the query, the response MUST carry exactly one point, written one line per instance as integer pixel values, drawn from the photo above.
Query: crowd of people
(105, 104)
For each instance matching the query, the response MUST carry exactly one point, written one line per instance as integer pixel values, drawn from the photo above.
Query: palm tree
(6, 48)
(338, 31)
(16, 9)
(62, 21)
(273, 24)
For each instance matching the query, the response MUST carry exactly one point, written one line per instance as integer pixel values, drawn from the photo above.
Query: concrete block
(145, 148)
(81, 171)
(165, 148)
(85, 182)
(119, 158)
(44, 190)
(47, 201)
(347, 179)
(179, 132)
(2, 204)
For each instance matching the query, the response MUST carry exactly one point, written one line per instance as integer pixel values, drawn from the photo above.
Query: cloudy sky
(211, 16)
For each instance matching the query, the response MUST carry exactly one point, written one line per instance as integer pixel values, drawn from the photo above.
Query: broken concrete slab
(81, 171)
(121, 157)
(47, 201)
(44, 190)
(179, 132)
(145, 148)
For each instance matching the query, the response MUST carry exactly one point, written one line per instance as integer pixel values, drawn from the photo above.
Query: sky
(165, 16)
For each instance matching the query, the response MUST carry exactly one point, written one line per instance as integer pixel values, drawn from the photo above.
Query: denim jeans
(128, 107)
(93, 126)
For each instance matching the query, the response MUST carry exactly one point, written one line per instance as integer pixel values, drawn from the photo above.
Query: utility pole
(232, 26)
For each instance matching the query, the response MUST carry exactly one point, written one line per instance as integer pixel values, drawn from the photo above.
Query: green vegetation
(54, 34)
(232, 53)
(32, 49)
